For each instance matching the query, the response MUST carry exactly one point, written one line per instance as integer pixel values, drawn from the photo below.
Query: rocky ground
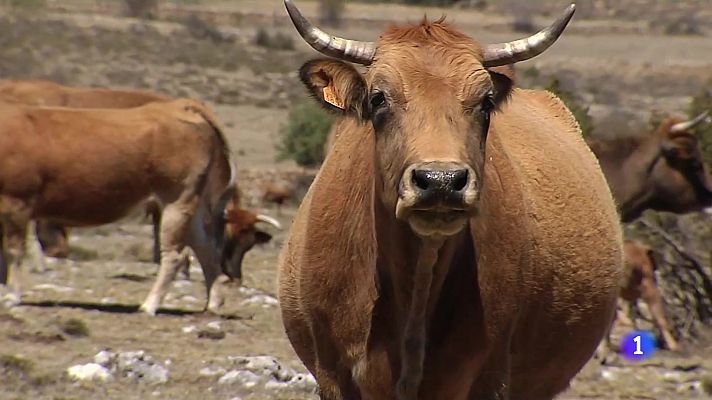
(78, 335)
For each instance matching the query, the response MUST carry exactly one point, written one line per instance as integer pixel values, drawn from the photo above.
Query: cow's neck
(412, 272)
(400, 257)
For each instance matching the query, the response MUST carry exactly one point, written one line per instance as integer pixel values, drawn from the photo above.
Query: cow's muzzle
(436, 198)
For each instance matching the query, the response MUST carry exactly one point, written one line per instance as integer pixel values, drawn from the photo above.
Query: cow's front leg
(174, 226)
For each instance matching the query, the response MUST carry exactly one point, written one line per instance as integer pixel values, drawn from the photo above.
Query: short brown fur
(90, 167)
(518, 299)
(53, 236)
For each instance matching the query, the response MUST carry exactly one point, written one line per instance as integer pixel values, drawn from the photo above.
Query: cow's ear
(503, 81)
(262, 237)
(335, 84)
(679, 149)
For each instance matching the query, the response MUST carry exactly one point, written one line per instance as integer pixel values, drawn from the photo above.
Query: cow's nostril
(459, 180)
(421, 180)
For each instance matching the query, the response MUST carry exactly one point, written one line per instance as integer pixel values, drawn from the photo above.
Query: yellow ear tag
(330, 97)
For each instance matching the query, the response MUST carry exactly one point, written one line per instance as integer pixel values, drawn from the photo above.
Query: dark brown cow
(89, 167)
(661, 171)
(53, 236)
(459, 241)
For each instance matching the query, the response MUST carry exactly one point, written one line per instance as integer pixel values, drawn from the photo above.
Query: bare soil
(620, 66)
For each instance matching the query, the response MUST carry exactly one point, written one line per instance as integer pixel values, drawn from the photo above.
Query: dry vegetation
(620, 62)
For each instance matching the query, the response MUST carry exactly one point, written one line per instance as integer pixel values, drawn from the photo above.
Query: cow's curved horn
(687, 125)
(268, 220)
(495, 55)
(332, 46)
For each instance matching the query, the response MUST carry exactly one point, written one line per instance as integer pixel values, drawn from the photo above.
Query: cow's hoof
(148, 309)
(10, 300)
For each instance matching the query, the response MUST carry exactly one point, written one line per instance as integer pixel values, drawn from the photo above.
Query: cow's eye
(486, 109)
(487, 104)
(376, 100)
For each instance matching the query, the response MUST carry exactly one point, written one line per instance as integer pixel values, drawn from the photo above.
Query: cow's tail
(230, 191)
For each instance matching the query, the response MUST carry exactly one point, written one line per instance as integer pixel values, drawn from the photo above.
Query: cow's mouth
(437, 222)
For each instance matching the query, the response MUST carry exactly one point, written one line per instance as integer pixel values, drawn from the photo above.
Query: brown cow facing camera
(460, 240)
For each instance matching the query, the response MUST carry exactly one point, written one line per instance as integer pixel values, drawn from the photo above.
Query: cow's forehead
(428, 58)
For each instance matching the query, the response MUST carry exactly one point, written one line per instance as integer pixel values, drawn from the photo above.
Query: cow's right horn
(268, 220)
(687, 125)
(495, 55)
(332, 46)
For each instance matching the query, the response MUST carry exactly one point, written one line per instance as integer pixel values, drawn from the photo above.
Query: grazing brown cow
(89, 167)
(51, 235)
(277, 194)
(459, 241)
(51, 94)
(661, 171)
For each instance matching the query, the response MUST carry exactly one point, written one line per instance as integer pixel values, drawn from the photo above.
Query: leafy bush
(201, 29)
(430, 2)
(687, 25)
(579, 111)
(29, 5)
(700, 103)
(303, 138)
(141, 8)
(278, 41)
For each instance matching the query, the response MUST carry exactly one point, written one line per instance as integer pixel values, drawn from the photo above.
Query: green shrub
(579, 111)
(303, 138)
(278, 41)
(141, 8)
(30, 5)
(700, 103)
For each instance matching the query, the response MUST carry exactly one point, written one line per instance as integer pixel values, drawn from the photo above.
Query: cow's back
(146, 150)
(546, 206)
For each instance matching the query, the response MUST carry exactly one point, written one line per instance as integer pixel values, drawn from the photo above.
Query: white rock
(212, 371)
(89, 372)
(56, 288)
(608, 375)
(213, 325)
(104, 358)
(246, 379)
(190, 299)
(181, 284)
(672, 376)
(189, 329)
(263, 365)
(247, 291)
(260, 300)
(108, 300)
(141, 367)
(304, 382)
(277, 385)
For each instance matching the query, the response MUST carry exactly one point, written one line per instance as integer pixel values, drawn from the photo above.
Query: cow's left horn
(495, 55)
(687, 125)
(269, 220)
(333, 46)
